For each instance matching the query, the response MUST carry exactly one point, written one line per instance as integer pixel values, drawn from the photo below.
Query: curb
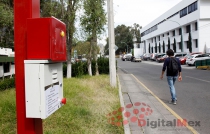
(126, 127)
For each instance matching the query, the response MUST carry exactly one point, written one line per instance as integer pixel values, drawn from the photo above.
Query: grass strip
(89, 101)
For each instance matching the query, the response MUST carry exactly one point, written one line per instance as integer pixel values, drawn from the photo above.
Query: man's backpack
(173, 66)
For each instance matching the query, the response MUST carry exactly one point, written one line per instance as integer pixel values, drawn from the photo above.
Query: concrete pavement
(145, 113)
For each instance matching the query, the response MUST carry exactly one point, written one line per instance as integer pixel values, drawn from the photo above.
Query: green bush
(81, 68)
(103, 65)
(78, 69)
(7, 83)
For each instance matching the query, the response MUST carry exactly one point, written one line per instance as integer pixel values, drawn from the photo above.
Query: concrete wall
(204, 34)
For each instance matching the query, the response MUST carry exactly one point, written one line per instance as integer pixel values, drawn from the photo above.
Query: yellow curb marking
(168, 108)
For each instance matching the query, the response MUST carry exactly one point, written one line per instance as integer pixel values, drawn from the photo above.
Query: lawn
(89, 101)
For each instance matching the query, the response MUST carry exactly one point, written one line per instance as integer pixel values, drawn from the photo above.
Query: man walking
(173, 71)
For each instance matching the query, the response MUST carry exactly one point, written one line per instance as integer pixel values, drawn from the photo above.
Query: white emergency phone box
(43, 88)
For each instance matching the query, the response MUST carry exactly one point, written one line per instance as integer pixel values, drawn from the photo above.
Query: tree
(64, 10)
(190, 43)
(159, 48)
(156, 47)
(204, 50)
(174, 45)
(136, 32)
(51, 8)
(106, 48)
(93, 22)
(69, 17)
(181, 42)
(6, 24)
(169, 43)
(164, 47)
(149, 48)
(123, 37)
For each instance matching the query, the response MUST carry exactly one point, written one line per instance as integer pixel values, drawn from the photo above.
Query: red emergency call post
(40, 47)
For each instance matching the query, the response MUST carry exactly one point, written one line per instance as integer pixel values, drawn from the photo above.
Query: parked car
(135, 59)
(183, 59)
(72, 60)
(83, 59)
(126, 57)
(180, 54)
(146, 56)
(152, 56)
(159, 55)
(161, 58)
(191, 59)
(123, 57)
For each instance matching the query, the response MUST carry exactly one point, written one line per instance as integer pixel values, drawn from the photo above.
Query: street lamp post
(181, 32)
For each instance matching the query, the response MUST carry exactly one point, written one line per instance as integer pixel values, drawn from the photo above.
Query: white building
(192, 17)
(7, 67)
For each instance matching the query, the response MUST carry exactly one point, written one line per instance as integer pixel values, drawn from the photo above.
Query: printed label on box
(52, 98)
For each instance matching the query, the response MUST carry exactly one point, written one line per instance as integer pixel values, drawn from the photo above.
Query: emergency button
(62, 34)
(63, 101)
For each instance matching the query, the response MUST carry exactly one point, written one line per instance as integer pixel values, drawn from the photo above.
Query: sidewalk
(143, 112)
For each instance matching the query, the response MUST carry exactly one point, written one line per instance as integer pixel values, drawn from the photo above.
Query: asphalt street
(193, 92)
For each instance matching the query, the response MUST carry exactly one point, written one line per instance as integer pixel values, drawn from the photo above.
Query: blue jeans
(171, 81)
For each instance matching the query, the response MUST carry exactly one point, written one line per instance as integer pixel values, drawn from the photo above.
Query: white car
(126, 57)
(191, 59)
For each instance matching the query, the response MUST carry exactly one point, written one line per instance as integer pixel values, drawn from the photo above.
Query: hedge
(7, 83)
(81, 68)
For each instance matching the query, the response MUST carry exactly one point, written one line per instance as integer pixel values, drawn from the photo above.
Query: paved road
(193, 92)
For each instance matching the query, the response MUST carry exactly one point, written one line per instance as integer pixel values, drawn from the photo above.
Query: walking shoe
(172, 102)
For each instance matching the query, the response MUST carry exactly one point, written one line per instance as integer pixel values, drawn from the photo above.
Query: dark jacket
(166, 64)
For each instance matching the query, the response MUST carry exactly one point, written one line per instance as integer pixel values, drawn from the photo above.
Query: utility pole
(24, 9)
(112, 63)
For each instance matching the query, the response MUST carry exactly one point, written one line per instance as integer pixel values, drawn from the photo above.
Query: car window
(178, 55)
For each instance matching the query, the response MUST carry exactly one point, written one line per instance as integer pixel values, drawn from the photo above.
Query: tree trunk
(90, 58)
(95, 52)
(89, 67)
(70, 19)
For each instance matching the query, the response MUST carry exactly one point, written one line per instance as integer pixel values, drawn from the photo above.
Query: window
(180, 31)
(180, 45)
(174, 33)
(155, 39)
(187, 28)
(163, 35)
(183, 12)
(6, 67)
(196, 26)
(196, 43)
(168, 33)
(187, 44)
(193, 7)
(159, 38)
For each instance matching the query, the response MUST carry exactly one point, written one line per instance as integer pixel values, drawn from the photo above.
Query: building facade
(187, 23)
(7, 67)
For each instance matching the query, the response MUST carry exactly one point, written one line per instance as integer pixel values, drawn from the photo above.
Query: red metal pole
(23, 9)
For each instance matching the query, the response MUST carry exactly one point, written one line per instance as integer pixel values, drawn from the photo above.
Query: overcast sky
(141, 12)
